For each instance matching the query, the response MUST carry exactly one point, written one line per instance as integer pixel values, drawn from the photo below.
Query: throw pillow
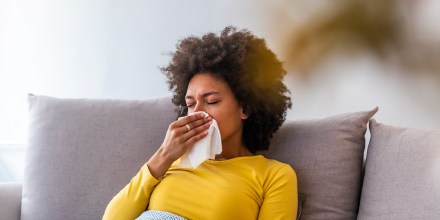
(402, 174)
(327, 156)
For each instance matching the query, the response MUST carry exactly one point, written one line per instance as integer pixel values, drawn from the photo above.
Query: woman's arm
(281, 196)
(133, 199)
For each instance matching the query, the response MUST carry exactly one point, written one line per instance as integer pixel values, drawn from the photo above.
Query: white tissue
(203, 149)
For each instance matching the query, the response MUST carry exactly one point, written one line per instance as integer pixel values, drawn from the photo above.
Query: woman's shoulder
(271, 162)
(273, 173)
(273, 166)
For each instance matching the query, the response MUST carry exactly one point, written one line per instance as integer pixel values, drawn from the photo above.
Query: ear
(243, 115)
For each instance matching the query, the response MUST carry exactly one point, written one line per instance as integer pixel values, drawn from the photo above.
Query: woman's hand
(180, 137)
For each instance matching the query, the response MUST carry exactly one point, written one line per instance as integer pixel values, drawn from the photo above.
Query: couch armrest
(10, 200)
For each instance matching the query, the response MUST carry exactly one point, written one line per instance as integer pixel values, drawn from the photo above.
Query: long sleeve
(281, 196)
(133, 199)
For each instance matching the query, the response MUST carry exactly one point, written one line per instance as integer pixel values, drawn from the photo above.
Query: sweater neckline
(233, 159)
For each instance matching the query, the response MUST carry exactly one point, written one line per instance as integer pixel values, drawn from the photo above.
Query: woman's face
(212, 95)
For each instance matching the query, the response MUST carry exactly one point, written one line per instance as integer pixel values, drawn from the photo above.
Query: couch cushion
(402, 174)
(327, 155)
(82, 152)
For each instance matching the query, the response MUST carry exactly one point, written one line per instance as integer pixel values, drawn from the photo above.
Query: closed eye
(212, 103)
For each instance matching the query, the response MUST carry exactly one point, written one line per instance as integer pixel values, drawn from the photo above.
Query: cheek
(218, 117)
(215, 117)
(227, 123)
(227, 117)
(214, 114)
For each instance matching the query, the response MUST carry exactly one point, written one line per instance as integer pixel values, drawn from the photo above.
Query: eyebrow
(204, 95)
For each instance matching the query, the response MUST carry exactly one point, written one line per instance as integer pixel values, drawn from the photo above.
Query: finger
(196, 138)
(192, 125)
(197, 123)
(187, 119)
(196, 131)
(183, 129)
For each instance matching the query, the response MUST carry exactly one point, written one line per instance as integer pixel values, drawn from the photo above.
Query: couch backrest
(81, 152)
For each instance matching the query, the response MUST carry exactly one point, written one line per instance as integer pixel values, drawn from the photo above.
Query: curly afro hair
(250, 69)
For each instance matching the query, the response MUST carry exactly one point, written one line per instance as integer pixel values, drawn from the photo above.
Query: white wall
(96, 49)
(112, 49)
(362, 82)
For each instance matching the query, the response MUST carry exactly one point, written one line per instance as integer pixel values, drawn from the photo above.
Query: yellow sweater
(242, 188)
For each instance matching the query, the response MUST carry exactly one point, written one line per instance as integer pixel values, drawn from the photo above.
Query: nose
(199, 107)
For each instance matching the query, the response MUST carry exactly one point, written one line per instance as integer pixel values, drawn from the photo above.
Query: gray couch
(81, 152)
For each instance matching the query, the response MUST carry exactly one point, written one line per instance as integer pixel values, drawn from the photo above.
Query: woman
(237, 80)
